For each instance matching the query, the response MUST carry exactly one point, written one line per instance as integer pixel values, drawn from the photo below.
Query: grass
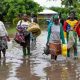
(11, 31)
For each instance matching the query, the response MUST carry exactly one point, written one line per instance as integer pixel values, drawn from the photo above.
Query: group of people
(56, 35)
(22, 36)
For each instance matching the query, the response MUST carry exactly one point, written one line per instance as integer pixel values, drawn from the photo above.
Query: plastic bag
(46, 50)
(19, 38)
(64, 49)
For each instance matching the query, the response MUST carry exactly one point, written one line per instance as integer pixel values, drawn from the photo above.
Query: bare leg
(24, 51)
(53, 54)
(28, 48)
(53, 57)
(4, 52)
(27, 39)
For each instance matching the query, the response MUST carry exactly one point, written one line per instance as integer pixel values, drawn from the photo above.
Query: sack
(46, 50)
(35, 29)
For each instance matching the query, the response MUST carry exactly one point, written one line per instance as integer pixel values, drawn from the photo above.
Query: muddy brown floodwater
(37, 66)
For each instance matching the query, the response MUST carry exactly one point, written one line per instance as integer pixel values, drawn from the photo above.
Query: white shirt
(3, 31)
(55, 33)
(24, 24)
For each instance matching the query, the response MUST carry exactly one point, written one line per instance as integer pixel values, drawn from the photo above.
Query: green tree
(10, 8)
(70, 3)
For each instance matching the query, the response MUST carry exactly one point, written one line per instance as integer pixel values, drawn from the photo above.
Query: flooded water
(38, 66)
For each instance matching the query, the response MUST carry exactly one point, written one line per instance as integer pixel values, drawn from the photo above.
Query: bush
(42, 23)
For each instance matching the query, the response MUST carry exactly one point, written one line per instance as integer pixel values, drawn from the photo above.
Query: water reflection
(4, 69)
(61, 71)
(38, 66)
(24, 71)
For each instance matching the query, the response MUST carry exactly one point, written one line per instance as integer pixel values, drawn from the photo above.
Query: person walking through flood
(34, 21)
(3, 39)
(23, 36)
(69, 28)
(55, 37)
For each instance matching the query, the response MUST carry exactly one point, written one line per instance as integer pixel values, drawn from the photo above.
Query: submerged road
(37, 66)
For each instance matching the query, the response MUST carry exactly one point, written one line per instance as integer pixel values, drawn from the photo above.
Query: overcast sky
(48, 3)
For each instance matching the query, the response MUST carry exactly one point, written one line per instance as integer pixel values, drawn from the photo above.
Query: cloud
(49, 3)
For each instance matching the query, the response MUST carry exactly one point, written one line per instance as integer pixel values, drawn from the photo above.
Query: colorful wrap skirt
(55, 48)
(3, 43)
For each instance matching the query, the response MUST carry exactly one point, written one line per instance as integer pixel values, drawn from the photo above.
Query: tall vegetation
(10, 8)
(69, 5)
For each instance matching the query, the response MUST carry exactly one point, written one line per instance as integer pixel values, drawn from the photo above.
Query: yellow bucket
(64, 49)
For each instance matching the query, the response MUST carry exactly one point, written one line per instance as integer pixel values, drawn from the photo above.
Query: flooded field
(38, 66)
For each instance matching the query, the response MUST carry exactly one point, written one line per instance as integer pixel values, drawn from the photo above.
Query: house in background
(46, 14)
(45, 17)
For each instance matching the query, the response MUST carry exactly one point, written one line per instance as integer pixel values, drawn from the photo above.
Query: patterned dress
(3, 43)
(54, 41)
(68, 25)
(23, 36)
(3, 36)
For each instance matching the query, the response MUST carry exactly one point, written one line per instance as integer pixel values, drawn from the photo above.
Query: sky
(49, 3)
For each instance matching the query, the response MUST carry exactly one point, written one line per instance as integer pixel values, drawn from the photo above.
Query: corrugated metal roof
(47, 11)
